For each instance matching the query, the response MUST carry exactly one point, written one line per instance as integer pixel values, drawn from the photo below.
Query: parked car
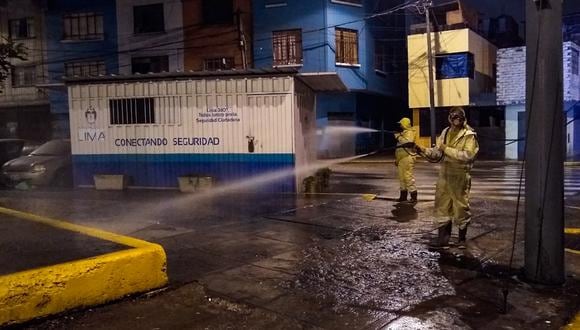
(14, 148)
(49, 164)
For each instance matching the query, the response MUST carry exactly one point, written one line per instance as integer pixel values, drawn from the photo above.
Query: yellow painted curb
(575, 324)
(49, 290)
(572, 231)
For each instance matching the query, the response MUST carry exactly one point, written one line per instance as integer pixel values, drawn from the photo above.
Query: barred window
(164, 110)
(85, 69)
(83, 26)
(23, 76)
(219, 63)
(21, 28)
(150, 64)
(132, 111)
(287, 47)
(346, 46)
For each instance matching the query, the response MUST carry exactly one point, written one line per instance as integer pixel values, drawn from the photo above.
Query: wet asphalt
(332, 261)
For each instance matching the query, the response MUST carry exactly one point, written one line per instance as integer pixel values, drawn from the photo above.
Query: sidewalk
(327, 261)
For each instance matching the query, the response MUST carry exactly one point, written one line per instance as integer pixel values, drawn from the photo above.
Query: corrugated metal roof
(182, 75)
(317, 81)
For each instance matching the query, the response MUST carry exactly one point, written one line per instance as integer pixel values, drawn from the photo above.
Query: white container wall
(158, 130)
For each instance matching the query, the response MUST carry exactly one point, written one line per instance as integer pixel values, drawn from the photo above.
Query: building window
(458, 65)
(150, 64)
(357, 3)
(287, 47)
(148, 19)
(21, 28)
(219, 63)
(132, 111)
(218, 12)
(83, 26)
(575, 57)
(85, 69)
(23, 76)
(346, 46)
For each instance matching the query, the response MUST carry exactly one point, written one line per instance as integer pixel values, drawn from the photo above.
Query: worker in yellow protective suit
(457, 146)
(405, 160)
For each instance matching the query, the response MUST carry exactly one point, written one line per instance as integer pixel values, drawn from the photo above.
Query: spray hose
(419, 152)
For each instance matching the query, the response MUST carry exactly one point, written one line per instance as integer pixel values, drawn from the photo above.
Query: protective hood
(405, 123)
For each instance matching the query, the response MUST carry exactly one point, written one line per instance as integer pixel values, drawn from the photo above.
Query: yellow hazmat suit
(405, 156)
(454, 183)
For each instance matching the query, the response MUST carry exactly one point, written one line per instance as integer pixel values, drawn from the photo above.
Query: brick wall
(511, 75)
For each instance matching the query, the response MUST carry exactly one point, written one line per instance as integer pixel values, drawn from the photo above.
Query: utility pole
(241, 38)
(426, 6)
(544, 227)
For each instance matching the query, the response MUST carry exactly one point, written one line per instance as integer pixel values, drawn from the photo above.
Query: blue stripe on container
(162, 170)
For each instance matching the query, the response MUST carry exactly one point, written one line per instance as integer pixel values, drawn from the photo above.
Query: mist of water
(190, 200)
(345, 130)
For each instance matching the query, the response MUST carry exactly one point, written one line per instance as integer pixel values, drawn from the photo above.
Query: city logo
(90, 133)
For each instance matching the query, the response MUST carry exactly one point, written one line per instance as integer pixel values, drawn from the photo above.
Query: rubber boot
(461, 242)
(403, 196)
(443, 236)
(413, 197)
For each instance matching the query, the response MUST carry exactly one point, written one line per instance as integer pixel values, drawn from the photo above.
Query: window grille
(85, 69)
(132, 111)
(23, 76)
(287, 47)
(151, 110)
(21, 28)
(346, 46)
(219, 63)
(83, 26)
(150, 64)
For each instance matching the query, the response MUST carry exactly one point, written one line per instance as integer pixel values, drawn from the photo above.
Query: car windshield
(53, 148)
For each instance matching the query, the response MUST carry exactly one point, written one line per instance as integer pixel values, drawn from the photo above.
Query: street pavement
(329, 261)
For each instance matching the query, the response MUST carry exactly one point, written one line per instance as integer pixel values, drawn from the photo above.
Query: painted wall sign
(218, 115)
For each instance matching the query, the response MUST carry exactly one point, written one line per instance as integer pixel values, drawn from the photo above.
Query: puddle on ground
(372, 269)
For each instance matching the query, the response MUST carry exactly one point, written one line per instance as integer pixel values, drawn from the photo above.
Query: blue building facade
(81, 40)
(368, 54)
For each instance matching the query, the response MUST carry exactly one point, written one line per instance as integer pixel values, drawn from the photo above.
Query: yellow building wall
(450, 92)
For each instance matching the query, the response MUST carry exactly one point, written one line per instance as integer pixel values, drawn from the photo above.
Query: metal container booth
(158, 127)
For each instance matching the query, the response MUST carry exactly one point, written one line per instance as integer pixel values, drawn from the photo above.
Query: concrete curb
(53, 289)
